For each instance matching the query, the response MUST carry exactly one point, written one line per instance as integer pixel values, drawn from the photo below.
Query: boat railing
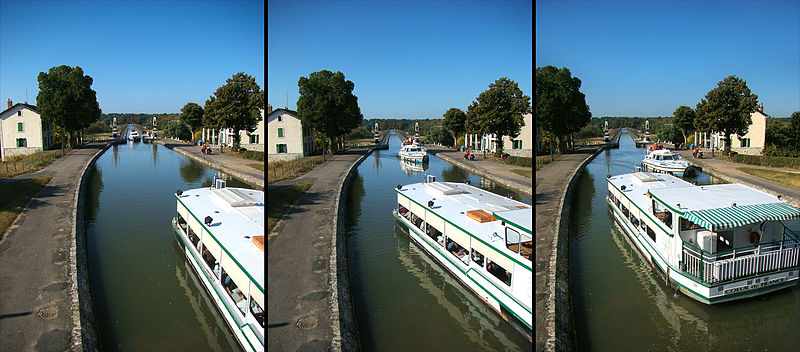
(740, 262)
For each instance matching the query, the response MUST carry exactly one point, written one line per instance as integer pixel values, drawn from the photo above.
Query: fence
(23, 164)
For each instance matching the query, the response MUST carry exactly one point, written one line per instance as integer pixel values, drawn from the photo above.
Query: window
(456, 250)
(517, 144)
(625, 211)
(661, 212)
(22, 143)
(651, 234)
(19, 113)
(280, 132)
(210, 261)
(745, 142)
(193, 237)
(19, 127)
(616, 201)
(234, 292)
(634, 221)
(499, 272)
(254, 139)
(281, 148)
(687, 225)
(477, 257)
(257, 311)
(280, 118)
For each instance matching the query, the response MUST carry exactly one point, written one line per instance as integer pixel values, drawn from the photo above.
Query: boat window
(687, 225)
(667, 157)
(417, 221)
(499, 272)
(234, 292)
(193, 237)
(181, 222)
(402, 210)
(651, 234)
(634, 221)
(724, 240)
(210, 261)
(616, 201)
(458, 251)
(521, 244)
(610, 195)
(477, 257)
(257, 312)
(661, 212)
(432, 232)
(625, 211)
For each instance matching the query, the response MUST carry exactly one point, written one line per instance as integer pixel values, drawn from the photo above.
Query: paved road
(237, 167)
(486, 167)
(35, 281)
(298, 262)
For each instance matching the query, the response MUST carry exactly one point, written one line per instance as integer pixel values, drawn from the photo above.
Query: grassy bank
(16, 196)
(542, 160)
(525, 173)
(784, 178)
(23, 164)
(289, 169)
(279, 199)
(771, 161)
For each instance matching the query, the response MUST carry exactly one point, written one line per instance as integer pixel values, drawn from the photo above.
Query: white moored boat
(221, 230)
(483, 239)
(715, 243)
(413, 152)
(134, 136)
(667, 162)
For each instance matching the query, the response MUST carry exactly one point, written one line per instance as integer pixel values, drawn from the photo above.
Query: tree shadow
(14, 315)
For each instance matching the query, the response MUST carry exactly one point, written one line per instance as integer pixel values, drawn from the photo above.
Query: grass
(786, 178)
(17, 194)
(280, 198)
(23, 164)
(259, 167)
(760, 160)
(246, 154)
(523, 172)
(542, 160)
(289, 169)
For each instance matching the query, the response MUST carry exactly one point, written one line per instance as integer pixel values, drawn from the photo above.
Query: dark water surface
(403, 299)
(620, 304)
(146, 295)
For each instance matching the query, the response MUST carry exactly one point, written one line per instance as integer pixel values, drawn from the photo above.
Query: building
(23, 132)
(751, 143)
(287, 137)
(522, 145)
(248, 140)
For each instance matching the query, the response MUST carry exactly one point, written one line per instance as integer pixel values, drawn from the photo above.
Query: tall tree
(66, 98)
(455, 121)
(727, 108)
(499, 111)
(235, 105)
(560, 105)
(794, 129)
(327, 103)
(684, 120)
(192, 115)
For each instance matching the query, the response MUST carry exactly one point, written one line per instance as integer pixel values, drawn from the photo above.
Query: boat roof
(663, 152)
(236, 212)
(453, 200)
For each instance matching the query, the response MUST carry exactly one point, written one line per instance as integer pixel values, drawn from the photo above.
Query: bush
(459, 142)
(772, 161)
(358, 133)
(589, 131)
(177, 130)
(98, 127)
(771, 150)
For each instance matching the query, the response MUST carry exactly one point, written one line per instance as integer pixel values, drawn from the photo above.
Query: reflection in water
(115, 152)
(191, 171)
(155, 154)
(411, 167)
(95, 183)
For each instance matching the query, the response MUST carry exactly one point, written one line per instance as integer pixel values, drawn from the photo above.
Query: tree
(177, 130)
(192, 115)
(794, 129)
(455, 121)
(327, 104)
(67, 99)
(727, 108)
(235, 105)
(684, 120)
(439, 135)
(560, 105)
(499, 111)
(670, 133)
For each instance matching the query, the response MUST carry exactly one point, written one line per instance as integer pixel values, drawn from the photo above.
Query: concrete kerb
(343, 324)
(84, 323)
(246, 178)
(714, 172)
(560, 328)
(485, 173)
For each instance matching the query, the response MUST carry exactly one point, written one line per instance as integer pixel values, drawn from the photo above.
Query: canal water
(620, 304)
(145, 295)
(403, 299)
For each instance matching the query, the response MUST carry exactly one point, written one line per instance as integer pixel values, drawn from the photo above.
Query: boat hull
(677, 170)
(417, 158)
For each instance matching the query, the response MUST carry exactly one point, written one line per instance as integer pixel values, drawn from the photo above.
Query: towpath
(306, 282)
(38, 287)
(232, 165)
(727, 171)
(500, 173)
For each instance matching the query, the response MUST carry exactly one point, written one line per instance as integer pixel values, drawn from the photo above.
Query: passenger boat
(666, 161)
(134, 136)
(482, 239)
(715, 243)
(221, 230)
(413, 152)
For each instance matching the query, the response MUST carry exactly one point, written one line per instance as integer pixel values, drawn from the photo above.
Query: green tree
(499, 111)
(98, 127)
(670, 133)
(192, 115)
(440, 135)
(684, 120)
(794, 130)
(727, 108)
(66, 98)
(560, 105)
(455, 121)
(235, 105)
(177, 130)
(327, 103)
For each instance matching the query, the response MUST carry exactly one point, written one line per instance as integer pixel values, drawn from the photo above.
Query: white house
(248, 140)
(23, 132)
(522, 145)
(287, 137)
(751, 143)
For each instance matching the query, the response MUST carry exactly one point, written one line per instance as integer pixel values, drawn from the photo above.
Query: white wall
(32, 131)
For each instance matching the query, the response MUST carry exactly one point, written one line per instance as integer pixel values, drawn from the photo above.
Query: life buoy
(755, 238)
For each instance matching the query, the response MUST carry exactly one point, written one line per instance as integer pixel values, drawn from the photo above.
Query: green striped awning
(725, 218)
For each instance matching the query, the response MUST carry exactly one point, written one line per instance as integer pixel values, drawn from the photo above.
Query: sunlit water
(620, 304)
(403, 299)
(145, 295)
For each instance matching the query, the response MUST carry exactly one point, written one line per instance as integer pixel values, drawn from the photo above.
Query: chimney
(762, 107)
(9, 103)
(269, 109)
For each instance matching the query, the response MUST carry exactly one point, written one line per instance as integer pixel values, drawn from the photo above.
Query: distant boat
(134, 136)
(666, 162)
(413, 152)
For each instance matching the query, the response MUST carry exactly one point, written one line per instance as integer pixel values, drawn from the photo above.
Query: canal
(403, 299)
(146, 297)
(620, 304)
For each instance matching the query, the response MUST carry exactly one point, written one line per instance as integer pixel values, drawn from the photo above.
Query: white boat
(666, 161)
(134, 136)
(221, 230)
(715, 243)
(413, 152)
(482, 239)
(411, 168)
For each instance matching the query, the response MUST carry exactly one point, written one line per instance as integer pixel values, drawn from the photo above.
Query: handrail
(755, 261)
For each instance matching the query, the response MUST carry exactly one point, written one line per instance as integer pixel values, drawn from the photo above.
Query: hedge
(772, 161)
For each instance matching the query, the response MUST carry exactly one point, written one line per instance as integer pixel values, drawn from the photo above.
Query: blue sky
(638, 58)
(407, 59)
(144, 57)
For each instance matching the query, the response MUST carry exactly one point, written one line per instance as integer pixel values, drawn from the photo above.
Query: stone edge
(246, 178)
(731, 179)
(84, 323)
(560, 329)
(485, 173)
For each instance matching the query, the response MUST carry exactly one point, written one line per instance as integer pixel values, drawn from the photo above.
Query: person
(472, 156)
(203, 149)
